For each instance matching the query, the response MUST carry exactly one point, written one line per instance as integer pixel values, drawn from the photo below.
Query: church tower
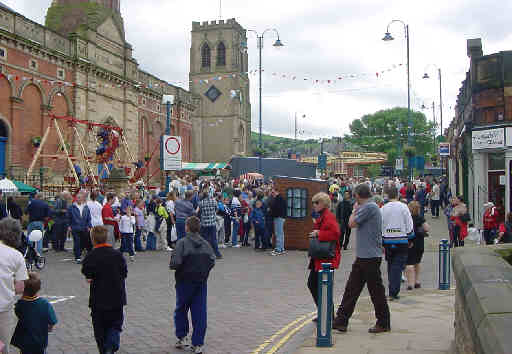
(218, 75)
(77, 16)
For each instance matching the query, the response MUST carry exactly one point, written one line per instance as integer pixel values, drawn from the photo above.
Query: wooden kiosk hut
(298, 193)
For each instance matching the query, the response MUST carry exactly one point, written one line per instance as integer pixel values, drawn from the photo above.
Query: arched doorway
(4, 138)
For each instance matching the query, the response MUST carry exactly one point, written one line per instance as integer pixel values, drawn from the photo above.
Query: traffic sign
(172, 153)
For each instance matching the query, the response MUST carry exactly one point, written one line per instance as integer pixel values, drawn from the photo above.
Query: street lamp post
(440, 77)
(389, 37)
(277, 44)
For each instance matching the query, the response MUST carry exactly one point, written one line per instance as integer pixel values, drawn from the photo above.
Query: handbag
(321, 249)
(174, 235)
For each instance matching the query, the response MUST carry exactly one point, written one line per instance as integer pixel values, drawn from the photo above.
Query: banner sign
(488, 139)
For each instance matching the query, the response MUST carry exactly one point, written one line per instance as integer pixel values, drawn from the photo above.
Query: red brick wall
(296, 231)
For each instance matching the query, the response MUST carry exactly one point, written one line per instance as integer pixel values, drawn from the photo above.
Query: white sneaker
(182, 343)
(132, 258)
(169, 249)
(197, 350)
(236, 246)
(222, 246)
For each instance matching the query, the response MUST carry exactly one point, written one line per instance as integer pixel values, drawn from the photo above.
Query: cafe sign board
(488, 139)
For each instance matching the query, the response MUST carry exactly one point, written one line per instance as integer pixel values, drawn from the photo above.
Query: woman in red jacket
(490, 223)
(326, 229)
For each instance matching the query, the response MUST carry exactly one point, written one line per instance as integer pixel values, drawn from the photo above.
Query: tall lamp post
(277, 44)
(426, 76)
(389, 37)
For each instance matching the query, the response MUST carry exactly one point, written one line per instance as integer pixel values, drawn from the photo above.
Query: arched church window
(221, 54)
(205, 56)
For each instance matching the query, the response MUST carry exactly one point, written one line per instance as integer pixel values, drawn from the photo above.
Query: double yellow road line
(284, 335)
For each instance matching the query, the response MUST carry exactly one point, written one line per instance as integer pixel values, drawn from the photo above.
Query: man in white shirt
(95, 209)
(397, 229)
(13, 273)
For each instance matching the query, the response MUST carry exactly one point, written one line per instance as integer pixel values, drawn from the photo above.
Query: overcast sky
(323, 40)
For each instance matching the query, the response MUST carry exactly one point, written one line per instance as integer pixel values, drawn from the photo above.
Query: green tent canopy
(198, 166)
(24, 188)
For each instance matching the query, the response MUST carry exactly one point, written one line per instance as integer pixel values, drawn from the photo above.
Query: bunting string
(277, 75)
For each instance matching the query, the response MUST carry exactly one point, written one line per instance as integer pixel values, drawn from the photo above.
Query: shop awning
(199, 166)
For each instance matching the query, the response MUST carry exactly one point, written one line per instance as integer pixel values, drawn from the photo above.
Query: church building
(80, 65)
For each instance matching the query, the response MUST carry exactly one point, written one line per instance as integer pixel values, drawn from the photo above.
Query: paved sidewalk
(422, 321)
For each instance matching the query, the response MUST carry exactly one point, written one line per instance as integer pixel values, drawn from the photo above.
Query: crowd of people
(195, 220)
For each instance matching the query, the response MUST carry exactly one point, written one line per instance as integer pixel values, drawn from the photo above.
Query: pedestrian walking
(105, 270)
(343, 212)
(207, 210)
(325, 229)
(397, 230)
(236, 213)
(192, 259)
(140, 224)
(110, 221)
(278, 210)
(36, 317)
(184, 209)
(367, 219)
(416, 247)
(60, 226)
(13, 273)
(79, 221)
(126, 227)
(435, 199)
(171, 211)
(38, 213)
(460, 219)
(257, 219)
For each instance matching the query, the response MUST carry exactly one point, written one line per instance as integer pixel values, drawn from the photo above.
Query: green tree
(386, 131)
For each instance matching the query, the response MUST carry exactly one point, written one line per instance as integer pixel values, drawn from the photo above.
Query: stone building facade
(480, 135)
(218, 74)
(80, 65)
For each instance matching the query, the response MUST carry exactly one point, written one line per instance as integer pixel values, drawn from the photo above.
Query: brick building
(480, 135)
(80, 65)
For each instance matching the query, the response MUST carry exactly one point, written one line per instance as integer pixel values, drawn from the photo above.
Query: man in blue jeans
(397, 230)
(192, 259)
(207, 209)
(79, 221)
(278, 212)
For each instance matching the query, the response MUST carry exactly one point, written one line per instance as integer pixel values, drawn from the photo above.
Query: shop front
(492, 163)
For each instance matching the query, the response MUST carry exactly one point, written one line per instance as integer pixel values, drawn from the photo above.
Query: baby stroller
(32, 257)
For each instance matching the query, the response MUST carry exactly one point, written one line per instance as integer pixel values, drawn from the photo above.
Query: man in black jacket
(105, 269)
(192, 259)
(278, 212)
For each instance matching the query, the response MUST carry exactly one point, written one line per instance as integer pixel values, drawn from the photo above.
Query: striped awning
(198, 166)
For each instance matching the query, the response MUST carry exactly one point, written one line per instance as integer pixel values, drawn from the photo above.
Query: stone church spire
(77, 16)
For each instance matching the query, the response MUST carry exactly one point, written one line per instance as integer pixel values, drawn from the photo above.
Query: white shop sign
(509, 136)
(488, 139)
(172, 153)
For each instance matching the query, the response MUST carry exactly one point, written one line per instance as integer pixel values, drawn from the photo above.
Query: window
(3, 53)
(221, 54)
(61, 73)
(297, 205)
(32, 64)
(205, 56)
(496, 162)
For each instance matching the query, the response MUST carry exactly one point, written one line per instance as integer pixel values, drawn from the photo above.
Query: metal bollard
(444, 265)
(325, 307)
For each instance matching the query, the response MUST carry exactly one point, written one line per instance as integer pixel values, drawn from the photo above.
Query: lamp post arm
(400, 21)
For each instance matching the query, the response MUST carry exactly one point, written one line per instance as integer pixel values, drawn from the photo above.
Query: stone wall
(483, 303)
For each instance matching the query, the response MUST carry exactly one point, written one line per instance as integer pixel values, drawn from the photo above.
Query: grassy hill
(275, 146)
